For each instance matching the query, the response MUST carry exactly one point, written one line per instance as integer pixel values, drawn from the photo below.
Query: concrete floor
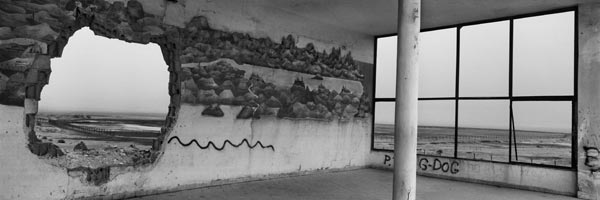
(363, 184)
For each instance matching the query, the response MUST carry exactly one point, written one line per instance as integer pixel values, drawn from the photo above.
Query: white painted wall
(300, 146)
(23, 174)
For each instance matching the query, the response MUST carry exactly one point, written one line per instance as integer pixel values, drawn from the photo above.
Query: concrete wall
(551, 180)
(287, 146)
(589, 102)
(298, 147)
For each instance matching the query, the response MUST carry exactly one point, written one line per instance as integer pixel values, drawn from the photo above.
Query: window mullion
(456, 91)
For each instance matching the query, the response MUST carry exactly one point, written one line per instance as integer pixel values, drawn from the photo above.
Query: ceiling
(379, 17)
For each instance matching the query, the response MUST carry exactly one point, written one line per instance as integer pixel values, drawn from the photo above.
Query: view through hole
(106, 102)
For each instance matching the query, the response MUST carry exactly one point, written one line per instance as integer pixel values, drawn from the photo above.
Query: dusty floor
(364, 184)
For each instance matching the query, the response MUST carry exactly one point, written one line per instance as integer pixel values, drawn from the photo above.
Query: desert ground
(485, 144)
(109, 139)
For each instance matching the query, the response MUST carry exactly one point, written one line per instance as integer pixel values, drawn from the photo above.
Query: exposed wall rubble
(35, 31)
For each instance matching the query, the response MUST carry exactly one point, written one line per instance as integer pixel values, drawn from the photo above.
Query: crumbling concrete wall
(197, 149)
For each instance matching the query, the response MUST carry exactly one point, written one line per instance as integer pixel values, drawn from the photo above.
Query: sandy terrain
(116, 140)
(486, 144)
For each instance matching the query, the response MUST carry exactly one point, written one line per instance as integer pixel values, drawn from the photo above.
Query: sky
(97, 74)
(543, 65)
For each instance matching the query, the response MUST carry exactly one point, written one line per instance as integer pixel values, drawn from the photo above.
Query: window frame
(510, 97)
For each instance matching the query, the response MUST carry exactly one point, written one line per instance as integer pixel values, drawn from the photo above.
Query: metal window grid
(456, 98)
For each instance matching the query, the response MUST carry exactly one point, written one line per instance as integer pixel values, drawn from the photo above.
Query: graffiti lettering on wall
(592, 158)
(387, 160)
(438, 165)
(430, 164)
(210, 143)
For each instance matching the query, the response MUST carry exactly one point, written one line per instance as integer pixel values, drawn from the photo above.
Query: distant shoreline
(481, 129)
(96, 113)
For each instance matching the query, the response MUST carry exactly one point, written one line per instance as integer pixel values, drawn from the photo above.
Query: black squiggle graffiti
(210, 143)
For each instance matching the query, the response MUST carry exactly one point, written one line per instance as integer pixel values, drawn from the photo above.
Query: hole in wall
(105, 104)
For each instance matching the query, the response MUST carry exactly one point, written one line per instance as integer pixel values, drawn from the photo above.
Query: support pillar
(588, 102)
(405, 142)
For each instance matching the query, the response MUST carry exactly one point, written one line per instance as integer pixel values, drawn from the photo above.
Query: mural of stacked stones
(208, 44)
(222, 84)
(24, 49)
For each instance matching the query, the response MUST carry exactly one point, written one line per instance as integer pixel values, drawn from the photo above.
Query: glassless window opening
(520, 107)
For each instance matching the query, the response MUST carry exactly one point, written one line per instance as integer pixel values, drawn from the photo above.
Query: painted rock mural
(242, 82)
(31, 29)
(208, 67)
(219, 83)
(232, 94)
(209, 45)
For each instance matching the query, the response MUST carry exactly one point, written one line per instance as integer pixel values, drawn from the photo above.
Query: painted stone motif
(222, 83)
